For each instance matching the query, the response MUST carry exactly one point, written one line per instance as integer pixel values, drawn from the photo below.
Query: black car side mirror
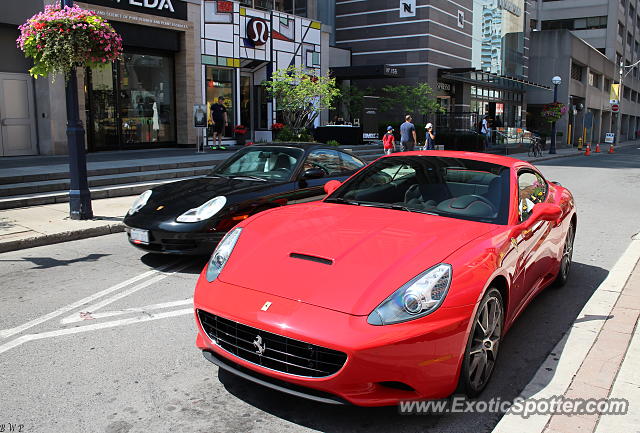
(313, 173)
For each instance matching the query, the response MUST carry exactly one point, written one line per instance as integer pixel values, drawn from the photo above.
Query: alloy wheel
(486, 334)
(567, 253)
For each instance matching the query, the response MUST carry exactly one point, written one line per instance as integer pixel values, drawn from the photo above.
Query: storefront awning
(488, 79)
(366, 72)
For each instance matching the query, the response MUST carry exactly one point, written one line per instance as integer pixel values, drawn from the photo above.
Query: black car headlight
(420, 296)
(221, 254)
(140, 202)
(204, 211)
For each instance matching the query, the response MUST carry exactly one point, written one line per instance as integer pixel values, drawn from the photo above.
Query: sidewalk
(598, 358)
(48, 224)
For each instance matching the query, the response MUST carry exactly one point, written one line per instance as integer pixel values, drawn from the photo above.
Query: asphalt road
(130, 365)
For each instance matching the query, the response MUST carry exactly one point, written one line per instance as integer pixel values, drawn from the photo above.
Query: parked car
(399, 285)
(192, 216)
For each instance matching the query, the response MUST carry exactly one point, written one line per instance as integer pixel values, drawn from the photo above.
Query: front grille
(279, 353)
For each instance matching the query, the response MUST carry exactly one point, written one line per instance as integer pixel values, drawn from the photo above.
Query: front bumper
(385, 364)
(179, 243)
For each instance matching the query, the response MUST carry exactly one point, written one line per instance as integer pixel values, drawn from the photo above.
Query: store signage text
(167, 8)
(444, 86)
(258, 31)
(510, 7)
(391, 71)
(407, 8)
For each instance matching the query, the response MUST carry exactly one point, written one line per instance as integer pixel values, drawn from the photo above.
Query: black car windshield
(450, 187)
(261, 163)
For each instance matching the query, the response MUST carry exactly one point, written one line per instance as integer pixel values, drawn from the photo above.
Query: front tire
(481, 352)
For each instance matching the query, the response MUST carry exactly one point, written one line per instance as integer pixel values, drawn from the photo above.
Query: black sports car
(192, 216)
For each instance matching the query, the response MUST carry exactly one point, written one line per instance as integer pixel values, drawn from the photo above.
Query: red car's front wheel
(482, 347)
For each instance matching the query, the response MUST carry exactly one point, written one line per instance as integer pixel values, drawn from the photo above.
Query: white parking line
(90, 316)
(60, 311)
(76, 330)
(95, 307)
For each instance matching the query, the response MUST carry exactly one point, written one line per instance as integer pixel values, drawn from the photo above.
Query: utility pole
(556, 82)
(621, 75)
(79, 195)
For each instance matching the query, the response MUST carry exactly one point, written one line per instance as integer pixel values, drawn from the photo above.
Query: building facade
(610, 27)
(244, 42)
(473, 53)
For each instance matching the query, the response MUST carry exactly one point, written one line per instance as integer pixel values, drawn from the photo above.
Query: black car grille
(279, 353)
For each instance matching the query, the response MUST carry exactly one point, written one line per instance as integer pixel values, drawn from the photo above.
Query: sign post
(200, 122)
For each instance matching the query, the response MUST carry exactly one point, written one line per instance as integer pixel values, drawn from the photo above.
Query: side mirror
(313, 173)
(540, 212)
(331, 186)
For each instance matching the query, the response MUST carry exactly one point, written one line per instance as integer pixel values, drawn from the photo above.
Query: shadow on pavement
(50, 262)
(526, 346)
(158, 260)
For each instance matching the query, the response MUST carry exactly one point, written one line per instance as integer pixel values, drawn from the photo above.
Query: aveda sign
(165, 8)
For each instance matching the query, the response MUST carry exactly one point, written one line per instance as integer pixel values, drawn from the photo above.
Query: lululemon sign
(257, 31)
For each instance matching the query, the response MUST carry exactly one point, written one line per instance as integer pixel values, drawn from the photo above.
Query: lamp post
(79, 195)
(556, 82)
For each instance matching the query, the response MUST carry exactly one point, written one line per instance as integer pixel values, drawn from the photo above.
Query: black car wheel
(481, 352)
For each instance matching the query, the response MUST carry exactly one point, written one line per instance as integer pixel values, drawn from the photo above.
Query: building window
(620, 29)
(627, 92)
(594, 79)
(219, 83)
(588, 23)
(607, 85)
(576, 72)
(295, 7)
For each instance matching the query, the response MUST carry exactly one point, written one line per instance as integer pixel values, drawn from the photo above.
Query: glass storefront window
(131, 102)
(219, 83)
(146, 98)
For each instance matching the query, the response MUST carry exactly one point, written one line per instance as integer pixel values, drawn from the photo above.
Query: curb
(56, 238)
(555, 374)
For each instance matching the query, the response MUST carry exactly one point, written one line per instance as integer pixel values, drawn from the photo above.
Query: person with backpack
(389, 141)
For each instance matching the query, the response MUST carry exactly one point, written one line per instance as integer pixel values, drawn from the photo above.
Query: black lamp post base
(80, 205)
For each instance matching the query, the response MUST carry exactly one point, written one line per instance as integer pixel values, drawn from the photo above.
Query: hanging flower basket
(554, 111)
(58, 40)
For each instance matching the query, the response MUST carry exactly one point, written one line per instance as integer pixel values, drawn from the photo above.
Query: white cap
(429, 125)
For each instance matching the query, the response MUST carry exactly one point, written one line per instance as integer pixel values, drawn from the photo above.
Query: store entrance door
(246, 103)
(17, 116)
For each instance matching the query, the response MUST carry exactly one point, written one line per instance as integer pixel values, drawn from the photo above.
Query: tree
(415, 100)
(301, 96)
(352, 98)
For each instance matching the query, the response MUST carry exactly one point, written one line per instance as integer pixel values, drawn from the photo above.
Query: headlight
(221, 254)
(417, 298)
(140, 202)
(204, 211)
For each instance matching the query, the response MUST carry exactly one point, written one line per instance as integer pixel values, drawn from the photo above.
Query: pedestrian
(220, 122)
(484, 130)
(430, 139)
(389, 141)
(407, 135)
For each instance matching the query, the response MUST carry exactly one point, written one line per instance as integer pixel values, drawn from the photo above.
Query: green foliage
(300, 96)
(415, 100)
(333, 143)
(287, 134)
(352, 97)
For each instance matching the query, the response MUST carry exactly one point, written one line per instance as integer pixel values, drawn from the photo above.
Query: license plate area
(139, 236)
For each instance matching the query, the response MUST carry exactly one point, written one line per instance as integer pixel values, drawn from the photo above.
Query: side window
(325, 159)
(532, 189)
(350, 163)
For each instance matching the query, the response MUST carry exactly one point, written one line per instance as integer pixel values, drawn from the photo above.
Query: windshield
(450, 187)
(261, 163)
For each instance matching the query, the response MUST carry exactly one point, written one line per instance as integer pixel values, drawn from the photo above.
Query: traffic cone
(611, 149)
(588, 151)
(597, 147)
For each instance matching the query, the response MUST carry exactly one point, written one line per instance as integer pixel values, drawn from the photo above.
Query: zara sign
(165, 8)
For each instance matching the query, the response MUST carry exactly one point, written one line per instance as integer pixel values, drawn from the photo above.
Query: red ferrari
(399, 285)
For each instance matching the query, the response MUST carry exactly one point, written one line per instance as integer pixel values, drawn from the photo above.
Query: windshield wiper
(397, 207)
(247, 176)
(342, 201)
